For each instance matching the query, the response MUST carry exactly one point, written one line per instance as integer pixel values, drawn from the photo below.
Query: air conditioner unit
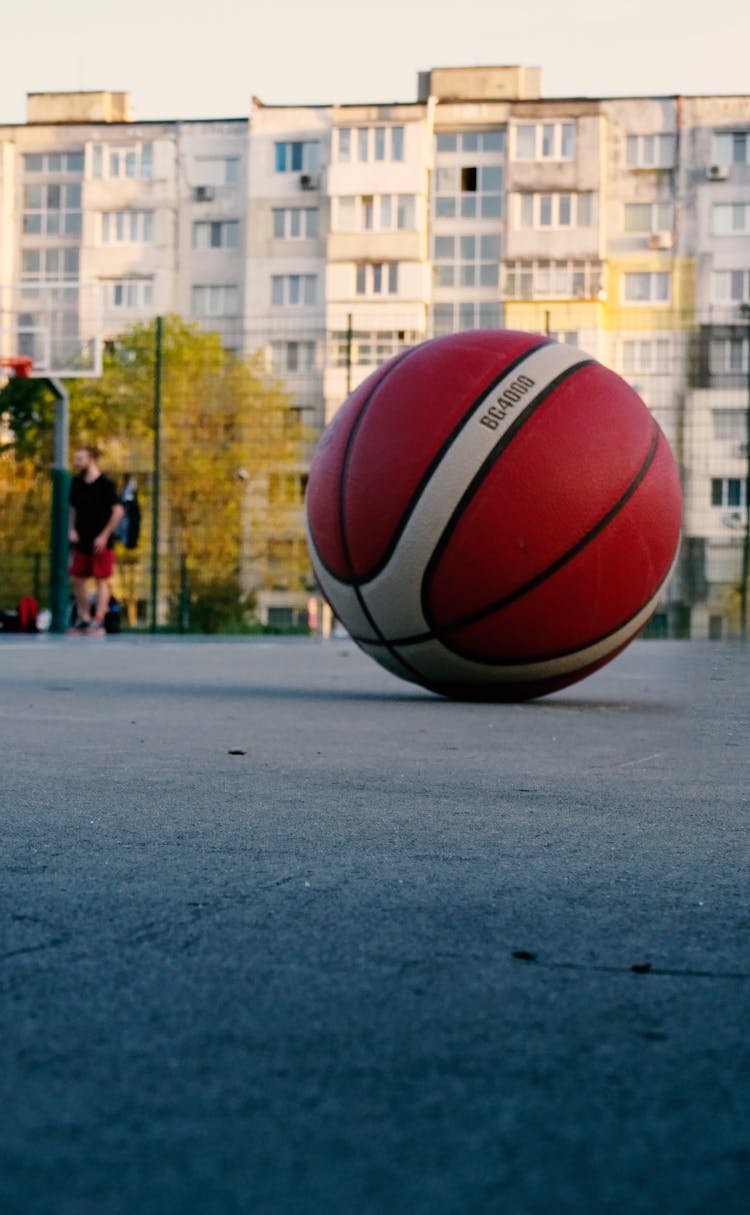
(741, 450)
(308, 181)
(733, 519)
(203, 193)
(717, 172)
(660, 240)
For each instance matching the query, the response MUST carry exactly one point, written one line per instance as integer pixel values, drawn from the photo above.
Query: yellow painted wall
(539, 315)
(679, 313)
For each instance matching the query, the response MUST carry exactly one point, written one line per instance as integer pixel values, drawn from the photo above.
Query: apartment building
(330, 237)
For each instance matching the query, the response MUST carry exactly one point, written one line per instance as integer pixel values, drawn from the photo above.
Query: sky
(206, 58)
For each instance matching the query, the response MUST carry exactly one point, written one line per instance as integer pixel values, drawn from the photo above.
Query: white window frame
(551, 140)
(376, 280)
(293, 290)
(122, 162)
(309, 156)
(650, 151)
(54, 162)
(41, 264)
(729, 425)
(128, 294)
(730, 147)
(551, 279)
(52, 208)
(370, 347)
(371, 144)
(215, 300)
(726, 503)
(724, 284)
(655, 279)
(646, 356)
(659, 218)
(228, 231)
(730, 219)
(292, 357)
(729, 355)
(533, 207)
(127, 227)
(296, 217)
(375, 213)
(217, 171)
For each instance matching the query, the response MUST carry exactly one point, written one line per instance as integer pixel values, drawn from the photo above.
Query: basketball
(493, 515)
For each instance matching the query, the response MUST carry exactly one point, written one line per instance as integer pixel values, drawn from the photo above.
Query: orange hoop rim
(20, 365)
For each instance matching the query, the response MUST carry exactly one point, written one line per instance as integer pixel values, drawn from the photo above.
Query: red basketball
(493, 515)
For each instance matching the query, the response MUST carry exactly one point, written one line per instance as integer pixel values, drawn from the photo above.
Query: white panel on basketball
(343, 599)
(435, 663)
(393, 597)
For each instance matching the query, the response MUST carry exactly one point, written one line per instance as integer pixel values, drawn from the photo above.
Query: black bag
(128, 530)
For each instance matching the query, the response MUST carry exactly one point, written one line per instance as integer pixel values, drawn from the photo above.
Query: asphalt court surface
(283, 934)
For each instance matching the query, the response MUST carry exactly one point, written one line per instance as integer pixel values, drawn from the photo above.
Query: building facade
(324, 239)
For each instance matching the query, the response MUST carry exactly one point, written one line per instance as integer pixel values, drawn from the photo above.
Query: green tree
(226, 427)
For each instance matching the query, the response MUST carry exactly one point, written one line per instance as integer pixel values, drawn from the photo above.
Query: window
(215, 300)
(295, 223)
(127, 227)
(567, 337)
(217, 171)
(545, 141)
(728, 491)
(48, 263)
(731, 286)
(647, 356)
(125, 160)
(650, 151)
(451, 318)
(555, 210)
(297, 156)
(376, 278)
(293, 290)
(379, 143)
(648, 217)
(731, 219)
(216, 234)
(467, 261)
(375, 212)
(471, 141)
(52, 210)
(729, 425)
(546, 279)
(728, 355)
(648, 287)
(131, 294)
(344, 145)
(370, 348)
(731, 147)
(54, 162)
(468, 191)
(292, 356)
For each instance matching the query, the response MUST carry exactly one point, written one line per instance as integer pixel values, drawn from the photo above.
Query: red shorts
(91, 565)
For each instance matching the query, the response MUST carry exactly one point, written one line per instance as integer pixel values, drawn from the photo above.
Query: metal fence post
(156, 486)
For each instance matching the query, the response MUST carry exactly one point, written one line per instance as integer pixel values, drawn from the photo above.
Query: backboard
(55, 323)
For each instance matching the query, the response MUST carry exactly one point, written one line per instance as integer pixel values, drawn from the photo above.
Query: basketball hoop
(19, 366)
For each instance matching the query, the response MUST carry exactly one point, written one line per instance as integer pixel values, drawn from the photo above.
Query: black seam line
(447, 444)
(464, 420)
(577, 548)
(491, 459)
(556, 565)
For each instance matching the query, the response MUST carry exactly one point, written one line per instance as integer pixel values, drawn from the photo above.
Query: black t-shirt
(92, 504)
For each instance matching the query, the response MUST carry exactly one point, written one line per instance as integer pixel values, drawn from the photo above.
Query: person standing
(95, 511)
